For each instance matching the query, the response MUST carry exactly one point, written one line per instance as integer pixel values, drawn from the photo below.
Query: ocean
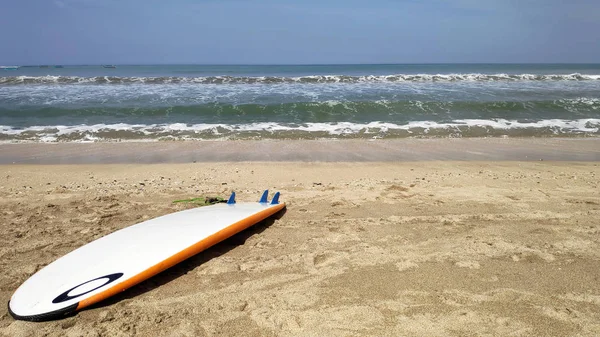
(212, 102)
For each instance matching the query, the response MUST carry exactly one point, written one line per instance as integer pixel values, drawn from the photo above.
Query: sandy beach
(373, 248)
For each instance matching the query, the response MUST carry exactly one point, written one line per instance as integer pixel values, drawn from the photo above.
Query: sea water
(207, 102)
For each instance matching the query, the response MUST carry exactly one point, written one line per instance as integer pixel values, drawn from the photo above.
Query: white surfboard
(115, 262)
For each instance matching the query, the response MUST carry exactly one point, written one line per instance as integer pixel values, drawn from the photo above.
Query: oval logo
(86, 287)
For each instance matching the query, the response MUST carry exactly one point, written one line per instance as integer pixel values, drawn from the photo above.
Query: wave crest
(183, 131)
(474, 77)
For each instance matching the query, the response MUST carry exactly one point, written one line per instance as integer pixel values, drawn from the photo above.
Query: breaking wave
(475, 77)
(272, 130)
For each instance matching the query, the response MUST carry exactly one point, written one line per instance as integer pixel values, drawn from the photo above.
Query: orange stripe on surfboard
(182, 255)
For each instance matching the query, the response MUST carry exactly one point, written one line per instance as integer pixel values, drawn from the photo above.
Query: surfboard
(120, 260)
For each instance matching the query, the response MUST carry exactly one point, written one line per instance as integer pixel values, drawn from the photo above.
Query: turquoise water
(92, 103)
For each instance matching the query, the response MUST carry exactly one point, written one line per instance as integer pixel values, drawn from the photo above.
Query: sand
(423, 248)
(323, 150)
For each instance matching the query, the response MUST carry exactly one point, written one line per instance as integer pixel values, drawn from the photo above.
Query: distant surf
(53, 79)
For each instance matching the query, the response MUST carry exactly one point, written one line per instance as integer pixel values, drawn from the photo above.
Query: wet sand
(352, 150)
(416, 248)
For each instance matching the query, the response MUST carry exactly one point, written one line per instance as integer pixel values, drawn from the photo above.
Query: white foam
(96, 132)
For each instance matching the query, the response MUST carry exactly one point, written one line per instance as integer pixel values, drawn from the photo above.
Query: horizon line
(302, 64)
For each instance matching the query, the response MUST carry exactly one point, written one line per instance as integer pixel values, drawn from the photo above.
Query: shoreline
(350, 150)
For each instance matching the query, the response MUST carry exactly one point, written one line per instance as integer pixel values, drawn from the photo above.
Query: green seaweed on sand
(201, 201)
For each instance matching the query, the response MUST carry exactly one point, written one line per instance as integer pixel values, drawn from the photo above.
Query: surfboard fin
(275, 200)
(231, 200)
(265, 195)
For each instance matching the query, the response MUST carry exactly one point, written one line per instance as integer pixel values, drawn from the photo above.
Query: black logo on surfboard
(65, 296)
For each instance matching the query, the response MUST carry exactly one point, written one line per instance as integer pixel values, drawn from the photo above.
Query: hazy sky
(298, 31)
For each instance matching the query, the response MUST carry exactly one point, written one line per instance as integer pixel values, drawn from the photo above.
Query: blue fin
(263, 199)
(275, 200)
(231, 200)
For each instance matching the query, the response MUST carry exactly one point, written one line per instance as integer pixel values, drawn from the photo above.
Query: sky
(298, 31)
